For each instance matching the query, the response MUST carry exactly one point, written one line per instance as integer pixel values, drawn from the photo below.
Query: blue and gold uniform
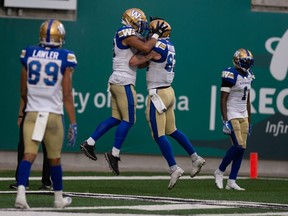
(235, 110)
(46, 86)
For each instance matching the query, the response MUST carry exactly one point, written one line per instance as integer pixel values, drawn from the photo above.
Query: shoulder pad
(160, 45)
(126, 32)
(228, 74)
(71, 58)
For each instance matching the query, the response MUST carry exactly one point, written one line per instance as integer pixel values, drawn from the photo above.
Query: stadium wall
(205, 34)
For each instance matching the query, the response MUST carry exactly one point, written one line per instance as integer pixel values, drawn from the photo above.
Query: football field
(147, 194)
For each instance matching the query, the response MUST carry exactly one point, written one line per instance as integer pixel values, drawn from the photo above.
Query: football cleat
(174, 177)
(231, 184)
(88, 150)
(66, 201)
(113, 162)
(196, 166)
(218, 175)
(44, 187)
(21, 201)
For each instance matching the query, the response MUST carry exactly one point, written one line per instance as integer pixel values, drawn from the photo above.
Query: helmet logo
(61, 29)
(135, 14)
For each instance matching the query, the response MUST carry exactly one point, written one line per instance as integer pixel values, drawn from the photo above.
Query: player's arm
(140, 45)
(139, 60)
(146, 46)
(67, 95)
(23, 95)
(249, 108)
(223, 105)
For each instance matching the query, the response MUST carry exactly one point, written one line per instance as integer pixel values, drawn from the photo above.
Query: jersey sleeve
(122, 34)
(68, 60)
(162, 49)
(229, 78)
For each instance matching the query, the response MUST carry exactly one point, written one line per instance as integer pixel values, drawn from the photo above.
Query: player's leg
(53, 141)
(46, 181)
(31, 149)
(238, 125)
(20, 154)
(88, 145)
(126, 100)
(157, 123)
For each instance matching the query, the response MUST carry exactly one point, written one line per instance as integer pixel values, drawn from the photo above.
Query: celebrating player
(127, 41)
(235, 110)
(160, 105)
(46, 83)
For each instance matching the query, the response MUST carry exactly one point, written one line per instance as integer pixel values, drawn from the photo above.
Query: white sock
(90, 141)
(58, 195)
(194, 156)
(21, 190)
(173, 168)
(116, 152)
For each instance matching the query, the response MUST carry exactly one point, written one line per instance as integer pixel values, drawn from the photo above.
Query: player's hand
(227, 127)
(159, 29)
(72, 134)
(250, 129)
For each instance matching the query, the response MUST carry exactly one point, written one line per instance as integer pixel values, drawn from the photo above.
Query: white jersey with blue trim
(123, 74)
(160, 72)
(238, 87)
(45, 68)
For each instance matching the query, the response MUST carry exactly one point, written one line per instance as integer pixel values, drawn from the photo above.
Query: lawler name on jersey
(45, 69)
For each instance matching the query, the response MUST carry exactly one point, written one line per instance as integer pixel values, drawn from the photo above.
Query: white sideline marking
(117, 178)
(76, 178)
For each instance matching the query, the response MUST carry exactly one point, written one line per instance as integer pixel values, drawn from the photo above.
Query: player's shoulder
(163, 44)
(125, 31)
(28, 50)
(229, 73)
(69, 55)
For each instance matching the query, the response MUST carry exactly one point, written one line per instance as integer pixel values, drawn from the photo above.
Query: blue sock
(23, 172)
(104, 126)
(183, 140)
(229, 156)
(166, 149)
(56, 177)
(236, 163)
(121, 133)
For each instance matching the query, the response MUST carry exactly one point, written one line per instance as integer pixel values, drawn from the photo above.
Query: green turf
(257, 190)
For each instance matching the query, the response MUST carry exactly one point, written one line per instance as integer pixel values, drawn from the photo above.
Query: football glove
(250, 129)
(227, 127)
(159, 29)
(72, 134)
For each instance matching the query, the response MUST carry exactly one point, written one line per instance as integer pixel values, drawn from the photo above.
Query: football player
(161, 101)
(128, 40)
(235, 110)
(46, 84)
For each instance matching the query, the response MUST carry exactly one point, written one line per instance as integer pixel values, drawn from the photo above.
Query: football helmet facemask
(52, 33)
(135, 18)
(166, 33)
(243, 59)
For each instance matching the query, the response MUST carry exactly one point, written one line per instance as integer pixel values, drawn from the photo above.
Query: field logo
(279, 61)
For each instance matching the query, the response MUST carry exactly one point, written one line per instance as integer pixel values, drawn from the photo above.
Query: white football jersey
(239, 87)
(45, 69)
(123, 74)
(161, 72)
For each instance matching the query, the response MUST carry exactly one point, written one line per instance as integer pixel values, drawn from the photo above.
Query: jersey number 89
(50, 69)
